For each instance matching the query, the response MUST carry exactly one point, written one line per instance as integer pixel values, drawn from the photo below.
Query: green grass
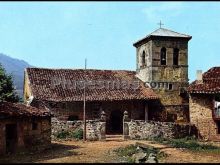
(129, 150)
(189, 143)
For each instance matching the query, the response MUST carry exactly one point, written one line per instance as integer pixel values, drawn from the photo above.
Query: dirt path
(102, 152)
(175, 155)
(95, 151)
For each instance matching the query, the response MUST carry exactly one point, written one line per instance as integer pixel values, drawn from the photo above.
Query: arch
(163, 56)
(175, 56)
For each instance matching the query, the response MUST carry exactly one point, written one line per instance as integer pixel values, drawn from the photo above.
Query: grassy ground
(189, 143)
(129, 150)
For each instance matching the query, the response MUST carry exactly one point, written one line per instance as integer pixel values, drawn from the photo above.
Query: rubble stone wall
(139, 129)
(95, 129)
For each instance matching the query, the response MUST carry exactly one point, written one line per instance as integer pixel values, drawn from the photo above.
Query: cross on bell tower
(160, 23)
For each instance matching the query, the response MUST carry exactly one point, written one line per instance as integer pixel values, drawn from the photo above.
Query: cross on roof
(160, 23)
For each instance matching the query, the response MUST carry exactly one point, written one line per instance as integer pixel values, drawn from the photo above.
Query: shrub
(77, 134)
(63, 134)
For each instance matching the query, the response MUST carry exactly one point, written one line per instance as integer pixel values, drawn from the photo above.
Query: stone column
(2, 139)
(103, 126)
(125, 126)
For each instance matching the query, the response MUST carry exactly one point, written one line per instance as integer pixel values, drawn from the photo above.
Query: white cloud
(163, 10)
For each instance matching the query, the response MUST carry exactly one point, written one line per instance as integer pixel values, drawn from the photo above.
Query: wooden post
(84, 108)
(146, 111)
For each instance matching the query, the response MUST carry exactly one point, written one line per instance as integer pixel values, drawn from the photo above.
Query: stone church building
(155, 91)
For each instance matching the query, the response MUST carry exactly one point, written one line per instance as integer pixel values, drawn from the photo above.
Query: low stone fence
(139, 129)
(95, 129)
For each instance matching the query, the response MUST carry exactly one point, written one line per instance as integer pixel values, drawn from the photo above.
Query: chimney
(199, 76)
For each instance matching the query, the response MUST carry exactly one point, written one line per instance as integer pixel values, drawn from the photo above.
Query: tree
(7, 90)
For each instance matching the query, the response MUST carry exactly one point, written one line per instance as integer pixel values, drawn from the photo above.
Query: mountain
(16, 68)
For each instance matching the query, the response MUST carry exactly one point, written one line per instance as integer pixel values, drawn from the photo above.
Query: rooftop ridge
(75, 69)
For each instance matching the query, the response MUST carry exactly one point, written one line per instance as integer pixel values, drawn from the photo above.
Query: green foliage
(126, 151)
(63, 135)
(188, 143)
(7, 91)
(129, 150)
(77, 134)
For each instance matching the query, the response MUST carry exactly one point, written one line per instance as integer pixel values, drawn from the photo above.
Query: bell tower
(162, 63)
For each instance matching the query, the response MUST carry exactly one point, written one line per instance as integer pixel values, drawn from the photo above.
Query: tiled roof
(41, 83)
(161, 32)
(8, 109)
(210, 82)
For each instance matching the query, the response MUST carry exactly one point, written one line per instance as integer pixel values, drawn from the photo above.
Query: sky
(63, 34)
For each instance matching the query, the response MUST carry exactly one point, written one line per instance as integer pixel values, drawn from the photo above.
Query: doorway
(11, 137)
(115, 123)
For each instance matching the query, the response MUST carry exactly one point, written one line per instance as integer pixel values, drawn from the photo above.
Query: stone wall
(201, 106)
(95, 129)
(27, 138)
(139, 129)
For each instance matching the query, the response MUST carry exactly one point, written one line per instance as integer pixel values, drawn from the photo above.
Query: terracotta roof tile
(41, 83)
(210, 83)
(8, 109)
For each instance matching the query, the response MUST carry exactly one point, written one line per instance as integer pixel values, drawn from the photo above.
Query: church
(156, 91)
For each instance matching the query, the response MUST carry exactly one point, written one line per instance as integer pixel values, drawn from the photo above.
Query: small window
(73, 118)
(175, 56)
(170, 86)
(163, 56)
(143, 58)
(34, 126)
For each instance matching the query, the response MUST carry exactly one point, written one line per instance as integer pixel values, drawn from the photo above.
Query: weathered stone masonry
(201, 108)
(140, 129)
(95, 129)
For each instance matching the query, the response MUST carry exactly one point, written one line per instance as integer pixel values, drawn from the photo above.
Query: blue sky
(63, 34)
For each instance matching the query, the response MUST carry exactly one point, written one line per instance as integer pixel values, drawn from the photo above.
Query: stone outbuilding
(204, 104)
(23, 127)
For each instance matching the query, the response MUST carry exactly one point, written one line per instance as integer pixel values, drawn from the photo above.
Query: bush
(63, 134)
(77, 134)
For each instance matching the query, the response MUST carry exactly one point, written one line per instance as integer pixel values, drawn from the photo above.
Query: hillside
(16, 68)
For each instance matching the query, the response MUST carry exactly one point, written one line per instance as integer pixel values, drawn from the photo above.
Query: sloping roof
(41, 83)
(161, 32)
(8, 109)
(210, 82)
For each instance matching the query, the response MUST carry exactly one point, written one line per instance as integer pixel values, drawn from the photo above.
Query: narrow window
(163, 57)
(170, 87)
(175, 56)
(34, 126)
(143, 58)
